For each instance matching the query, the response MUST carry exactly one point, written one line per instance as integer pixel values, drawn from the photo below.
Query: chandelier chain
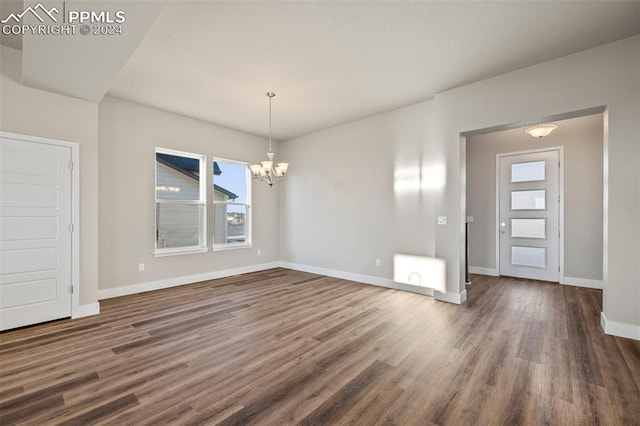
(270, 98)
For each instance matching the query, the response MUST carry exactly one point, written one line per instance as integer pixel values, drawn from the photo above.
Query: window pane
(528, 200)
(229, 181)
(230, 224)
(177, 178)
(178, 225)
(231, 198)
(527, 172)
(528, 256)
(528, 228)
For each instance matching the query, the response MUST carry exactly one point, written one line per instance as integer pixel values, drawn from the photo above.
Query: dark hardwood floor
(287, 347)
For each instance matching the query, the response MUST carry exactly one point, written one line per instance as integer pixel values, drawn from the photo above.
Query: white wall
(339, 209)
(38, 113)
(607, 75)
(353, 194)
(129, 134)
(582, 139)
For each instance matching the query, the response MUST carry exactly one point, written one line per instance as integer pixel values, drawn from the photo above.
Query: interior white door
(528, 226)
(35, 232)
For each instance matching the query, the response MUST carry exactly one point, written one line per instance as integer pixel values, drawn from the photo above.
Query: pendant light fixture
(266, 171)
(541, 130)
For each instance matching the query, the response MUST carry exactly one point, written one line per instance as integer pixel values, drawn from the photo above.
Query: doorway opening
(520, 240)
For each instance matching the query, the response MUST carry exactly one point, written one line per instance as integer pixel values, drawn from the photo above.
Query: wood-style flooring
(286, 347)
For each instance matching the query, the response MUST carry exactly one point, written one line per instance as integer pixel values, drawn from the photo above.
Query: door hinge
(71, 228)
(71, 289)
(558, 198)
(70, 165)
(558, 268)
(558, 164)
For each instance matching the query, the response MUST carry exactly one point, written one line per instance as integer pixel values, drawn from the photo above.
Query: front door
(528, 227)
(35, 233)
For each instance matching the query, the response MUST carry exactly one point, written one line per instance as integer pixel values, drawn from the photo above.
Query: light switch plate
(442, 220)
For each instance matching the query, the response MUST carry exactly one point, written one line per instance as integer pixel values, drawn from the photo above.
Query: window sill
(178, 252)
(224, 247)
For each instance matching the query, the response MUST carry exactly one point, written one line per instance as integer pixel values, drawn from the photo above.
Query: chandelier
(541, 130)
(266, 171)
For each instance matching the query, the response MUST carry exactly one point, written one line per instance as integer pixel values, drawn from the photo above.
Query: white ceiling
(333, 62)
(8, 7)
(84, 66)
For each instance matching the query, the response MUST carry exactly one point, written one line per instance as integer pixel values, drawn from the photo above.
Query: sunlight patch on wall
(420, 271)
(406, 180)
(417, 179)
(434, 176)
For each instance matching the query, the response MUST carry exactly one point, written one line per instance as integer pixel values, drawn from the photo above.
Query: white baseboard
(620, 329)
(108, 293)
(365, 279)
(581, 282)
(493, 272)
(457, 298)
(87, 310)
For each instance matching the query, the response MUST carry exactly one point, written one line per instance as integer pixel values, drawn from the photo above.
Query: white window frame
(202, 247)
(248, 219)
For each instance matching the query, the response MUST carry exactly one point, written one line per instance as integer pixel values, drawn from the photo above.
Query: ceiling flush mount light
(266, 171)
(541, 130)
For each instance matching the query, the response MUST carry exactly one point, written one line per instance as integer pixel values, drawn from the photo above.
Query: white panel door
(529, 215)
(35, 235)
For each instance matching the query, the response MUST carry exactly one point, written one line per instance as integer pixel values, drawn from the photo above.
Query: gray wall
(353, 194)
(38, 113)
(607, 75)
(347, 173)
(129, 134)
(582, 139)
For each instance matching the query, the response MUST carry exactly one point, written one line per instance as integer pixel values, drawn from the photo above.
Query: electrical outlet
(259, 252)
(442, 220)
(377, 262)
(469, 219)
(140, 267)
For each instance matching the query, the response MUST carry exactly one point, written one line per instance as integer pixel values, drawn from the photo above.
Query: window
(529, 256)
(528, 200)
(231, 204)
(528, 228)
(528, 172)
(180, 202)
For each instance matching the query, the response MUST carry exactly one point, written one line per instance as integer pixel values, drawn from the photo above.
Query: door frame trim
(560, 150)
(75, 209)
